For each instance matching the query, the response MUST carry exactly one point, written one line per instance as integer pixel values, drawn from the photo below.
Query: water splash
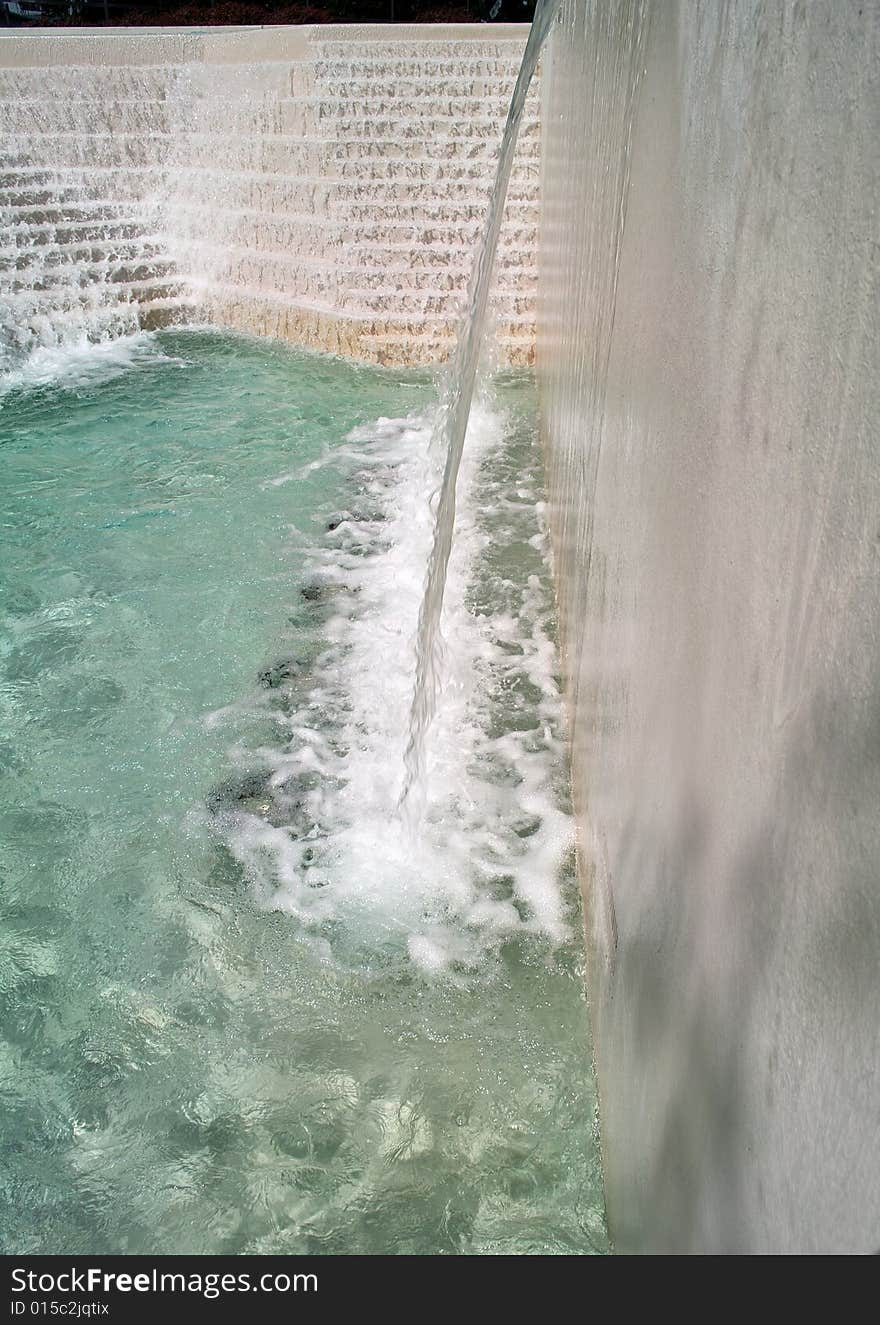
(82, 362)
(455, 411)
(314, 819)
(74, 269)
(83, 257)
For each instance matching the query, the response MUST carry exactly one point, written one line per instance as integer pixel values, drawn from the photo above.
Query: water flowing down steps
(327, 186)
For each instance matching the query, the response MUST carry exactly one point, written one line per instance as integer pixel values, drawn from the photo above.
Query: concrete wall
(322, 184)
(707, 349)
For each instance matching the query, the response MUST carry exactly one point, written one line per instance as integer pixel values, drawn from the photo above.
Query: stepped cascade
(80, 251)
(326, 186)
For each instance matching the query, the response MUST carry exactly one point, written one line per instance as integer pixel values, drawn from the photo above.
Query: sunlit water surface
(245, 1004)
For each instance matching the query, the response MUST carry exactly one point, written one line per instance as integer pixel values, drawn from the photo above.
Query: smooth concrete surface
(323, 184)
(708, 361)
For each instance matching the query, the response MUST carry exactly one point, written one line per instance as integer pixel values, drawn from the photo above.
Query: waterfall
(71, 267)
(455, 409)
(81, 261)
(323, 185)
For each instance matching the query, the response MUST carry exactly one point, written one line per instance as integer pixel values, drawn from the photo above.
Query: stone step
(81, 116)
(166, 310)
(214, 181)
(97, 210)
(343, 67)
(121, 83)
(272, 190)
(439, 211)
(420, 151)
(78, 176)
(126, 153)
(57, 280)
(253, 203)
(437, 108)
(405, 234)
(98, 253)
(426, 256)
(394, 302)
(59, 297)
(492, 89)
(423, 170)
(353, 70)
(18, 200)
(12, 180)
(228, 157)
(435, 130)
(274, 232)
(83, 231)
(363, 52)
(303, 157)
(78, 149)
(391, 345)
(278, 274)
(292, 115)
(396, 193)
(323, 115)
(452, 280)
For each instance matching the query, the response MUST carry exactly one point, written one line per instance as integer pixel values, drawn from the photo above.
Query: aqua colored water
(245, 1006)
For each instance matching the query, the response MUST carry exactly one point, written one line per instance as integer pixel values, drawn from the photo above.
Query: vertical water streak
(455, 410)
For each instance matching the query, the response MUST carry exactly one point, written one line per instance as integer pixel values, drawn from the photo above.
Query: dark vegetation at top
(195, 13)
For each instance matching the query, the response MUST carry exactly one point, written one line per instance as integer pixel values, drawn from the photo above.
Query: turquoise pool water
(245, 1005)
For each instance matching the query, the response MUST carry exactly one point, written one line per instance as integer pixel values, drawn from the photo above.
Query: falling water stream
(453, 419)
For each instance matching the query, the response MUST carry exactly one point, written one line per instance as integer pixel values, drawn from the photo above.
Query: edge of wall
(37, 48)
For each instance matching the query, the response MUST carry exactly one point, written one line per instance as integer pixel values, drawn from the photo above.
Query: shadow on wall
(709, 1121)
(709, 403)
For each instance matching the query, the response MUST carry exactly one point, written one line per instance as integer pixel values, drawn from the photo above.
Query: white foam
(475, 857)
(81, 362)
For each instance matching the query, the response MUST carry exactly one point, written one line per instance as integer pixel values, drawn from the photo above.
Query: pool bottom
(246, 1007)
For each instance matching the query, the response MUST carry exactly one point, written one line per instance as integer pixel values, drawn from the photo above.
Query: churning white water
(438, 833)
(475, 856)
(80, 362)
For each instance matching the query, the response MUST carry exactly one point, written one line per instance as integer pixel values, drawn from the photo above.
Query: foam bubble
(473, 860)
(83, 363)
